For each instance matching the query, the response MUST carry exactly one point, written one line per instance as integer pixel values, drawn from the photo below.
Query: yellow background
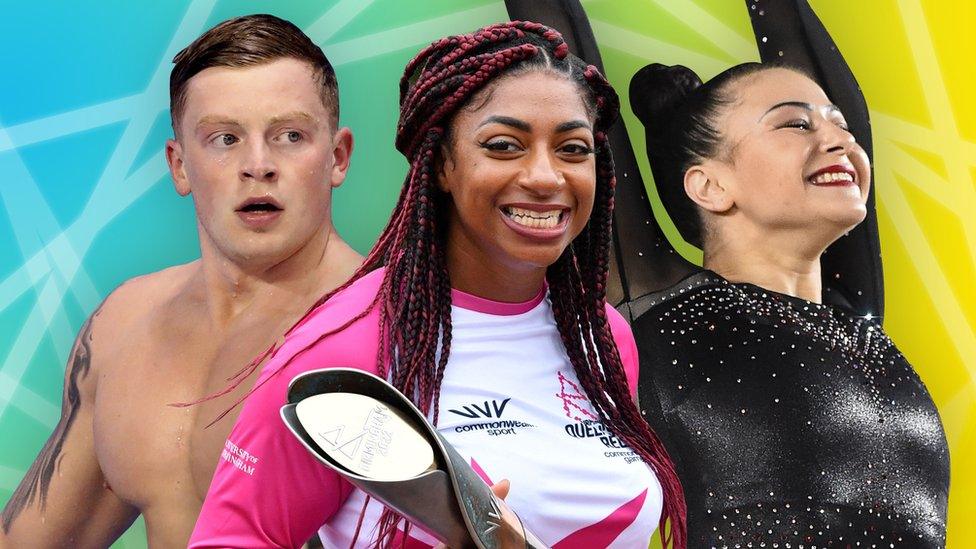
(914, 60)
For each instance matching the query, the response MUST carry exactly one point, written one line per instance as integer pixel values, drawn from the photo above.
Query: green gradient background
(87, 202)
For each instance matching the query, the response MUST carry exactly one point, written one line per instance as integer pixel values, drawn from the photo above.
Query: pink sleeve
(268, 489)
(626, 346)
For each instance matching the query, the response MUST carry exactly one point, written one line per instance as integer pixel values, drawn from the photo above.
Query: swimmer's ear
(174, 158)
(342, 144)
(704, 185)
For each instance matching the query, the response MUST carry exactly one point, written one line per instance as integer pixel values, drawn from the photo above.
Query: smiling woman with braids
(484, 301)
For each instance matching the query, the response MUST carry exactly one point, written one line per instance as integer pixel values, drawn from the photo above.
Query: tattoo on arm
(34, 487)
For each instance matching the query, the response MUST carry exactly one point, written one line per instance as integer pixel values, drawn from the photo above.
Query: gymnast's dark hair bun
(664, 100)
(680, 116)
(657, 90)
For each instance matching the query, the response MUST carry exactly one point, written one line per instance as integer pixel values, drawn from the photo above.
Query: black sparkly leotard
(789, 421)
(793, 425)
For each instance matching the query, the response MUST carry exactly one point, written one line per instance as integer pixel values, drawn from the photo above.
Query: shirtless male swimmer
(255, 114)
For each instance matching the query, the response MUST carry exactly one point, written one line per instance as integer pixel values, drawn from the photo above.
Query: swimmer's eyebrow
(220, 120)
(525, 127)
(291, 117)
(801, 104)
(217, 120)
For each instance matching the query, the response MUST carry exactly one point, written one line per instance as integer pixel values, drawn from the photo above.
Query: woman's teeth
(533, 219)
(830, 177)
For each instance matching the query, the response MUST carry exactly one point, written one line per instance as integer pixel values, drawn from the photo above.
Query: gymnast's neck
(783, 262)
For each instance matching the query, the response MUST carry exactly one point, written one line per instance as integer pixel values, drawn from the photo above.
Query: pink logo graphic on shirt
(598, 534)
(569, 399)
(409, 543)
(604, 532)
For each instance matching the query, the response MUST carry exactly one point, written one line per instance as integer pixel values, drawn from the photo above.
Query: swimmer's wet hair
(248, 41)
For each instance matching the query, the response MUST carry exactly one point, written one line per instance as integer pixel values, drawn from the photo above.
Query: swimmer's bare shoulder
(64, 499)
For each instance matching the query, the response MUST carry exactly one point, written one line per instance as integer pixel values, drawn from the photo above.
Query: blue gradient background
(88, 203)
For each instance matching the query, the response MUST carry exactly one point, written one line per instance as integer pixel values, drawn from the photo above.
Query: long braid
(578, 294)
(579, 299)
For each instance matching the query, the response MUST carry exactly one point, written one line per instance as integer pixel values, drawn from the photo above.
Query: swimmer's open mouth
(260, 204)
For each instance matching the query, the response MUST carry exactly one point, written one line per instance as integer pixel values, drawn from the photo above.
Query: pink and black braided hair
(415, 296)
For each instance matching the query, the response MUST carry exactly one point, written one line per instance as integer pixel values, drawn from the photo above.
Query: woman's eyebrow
(572, 125)
(800, 104)
(507, 121)
(521, 125)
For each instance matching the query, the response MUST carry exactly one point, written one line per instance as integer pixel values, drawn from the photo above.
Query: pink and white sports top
(509, 402)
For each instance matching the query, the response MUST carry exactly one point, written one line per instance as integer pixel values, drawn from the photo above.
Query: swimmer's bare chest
(158, 457)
